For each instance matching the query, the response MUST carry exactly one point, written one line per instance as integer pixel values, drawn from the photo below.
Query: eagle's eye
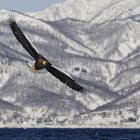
(44, 62)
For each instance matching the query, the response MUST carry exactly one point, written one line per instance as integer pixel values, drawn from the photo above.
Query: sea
(69, 134)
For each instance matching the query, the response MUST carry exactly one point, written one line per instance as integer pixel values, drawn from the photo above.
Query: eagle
(40, 61)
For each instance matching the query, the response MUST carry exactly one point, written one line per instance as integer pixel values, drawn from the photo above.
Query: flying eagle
(40, 61)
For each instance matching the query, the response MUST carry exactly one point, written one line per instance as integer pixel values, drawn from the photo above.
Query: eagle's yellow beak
(33, 69)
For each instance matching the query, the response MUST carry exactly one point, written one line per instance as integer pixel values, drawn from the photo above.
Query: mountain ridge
(101, 53)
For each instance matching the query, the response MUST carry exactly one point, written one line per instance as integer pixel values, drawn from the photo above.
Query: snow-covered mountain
(96, 42)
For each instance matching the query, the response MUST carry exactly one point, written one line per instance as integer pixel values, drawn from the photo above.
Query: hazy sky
(26, 5)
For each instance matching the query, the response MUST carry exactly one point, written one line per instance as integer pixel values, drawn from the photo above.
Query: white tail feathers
(29, 64)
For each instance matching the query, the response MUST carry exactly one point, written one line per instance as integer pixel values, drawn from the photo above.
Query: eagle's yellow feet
(33, 69)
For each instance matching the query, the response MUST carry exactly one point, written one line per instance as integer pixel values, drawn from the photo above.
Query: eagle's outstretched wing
(29, 47)
(65, 78)
(23, 39)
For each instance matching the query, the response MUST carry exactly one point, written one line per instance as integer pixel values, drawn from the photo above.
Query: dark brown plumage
(40, 61)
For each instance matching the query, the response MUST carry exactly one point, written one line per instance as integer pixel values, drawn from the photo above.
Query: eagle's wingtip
(11, 18)
(84, 92)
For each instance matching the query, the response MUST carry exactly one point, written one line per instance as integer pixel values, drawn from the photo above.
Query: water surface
(69, 134)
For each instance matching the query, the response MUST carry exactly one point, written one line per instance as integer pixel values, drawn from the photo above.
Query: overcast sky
(26, 5)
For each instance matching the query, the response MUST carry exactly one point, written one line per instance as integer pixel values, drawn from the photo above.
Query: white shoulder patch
(61, 71)
(31, 43)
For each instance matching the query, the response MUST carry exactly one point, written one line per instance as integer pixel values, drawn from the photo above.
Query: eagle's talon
(33, 69)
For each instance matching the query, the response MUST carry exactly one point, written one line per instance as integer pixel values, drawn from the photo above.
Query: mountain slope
(98, 46)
